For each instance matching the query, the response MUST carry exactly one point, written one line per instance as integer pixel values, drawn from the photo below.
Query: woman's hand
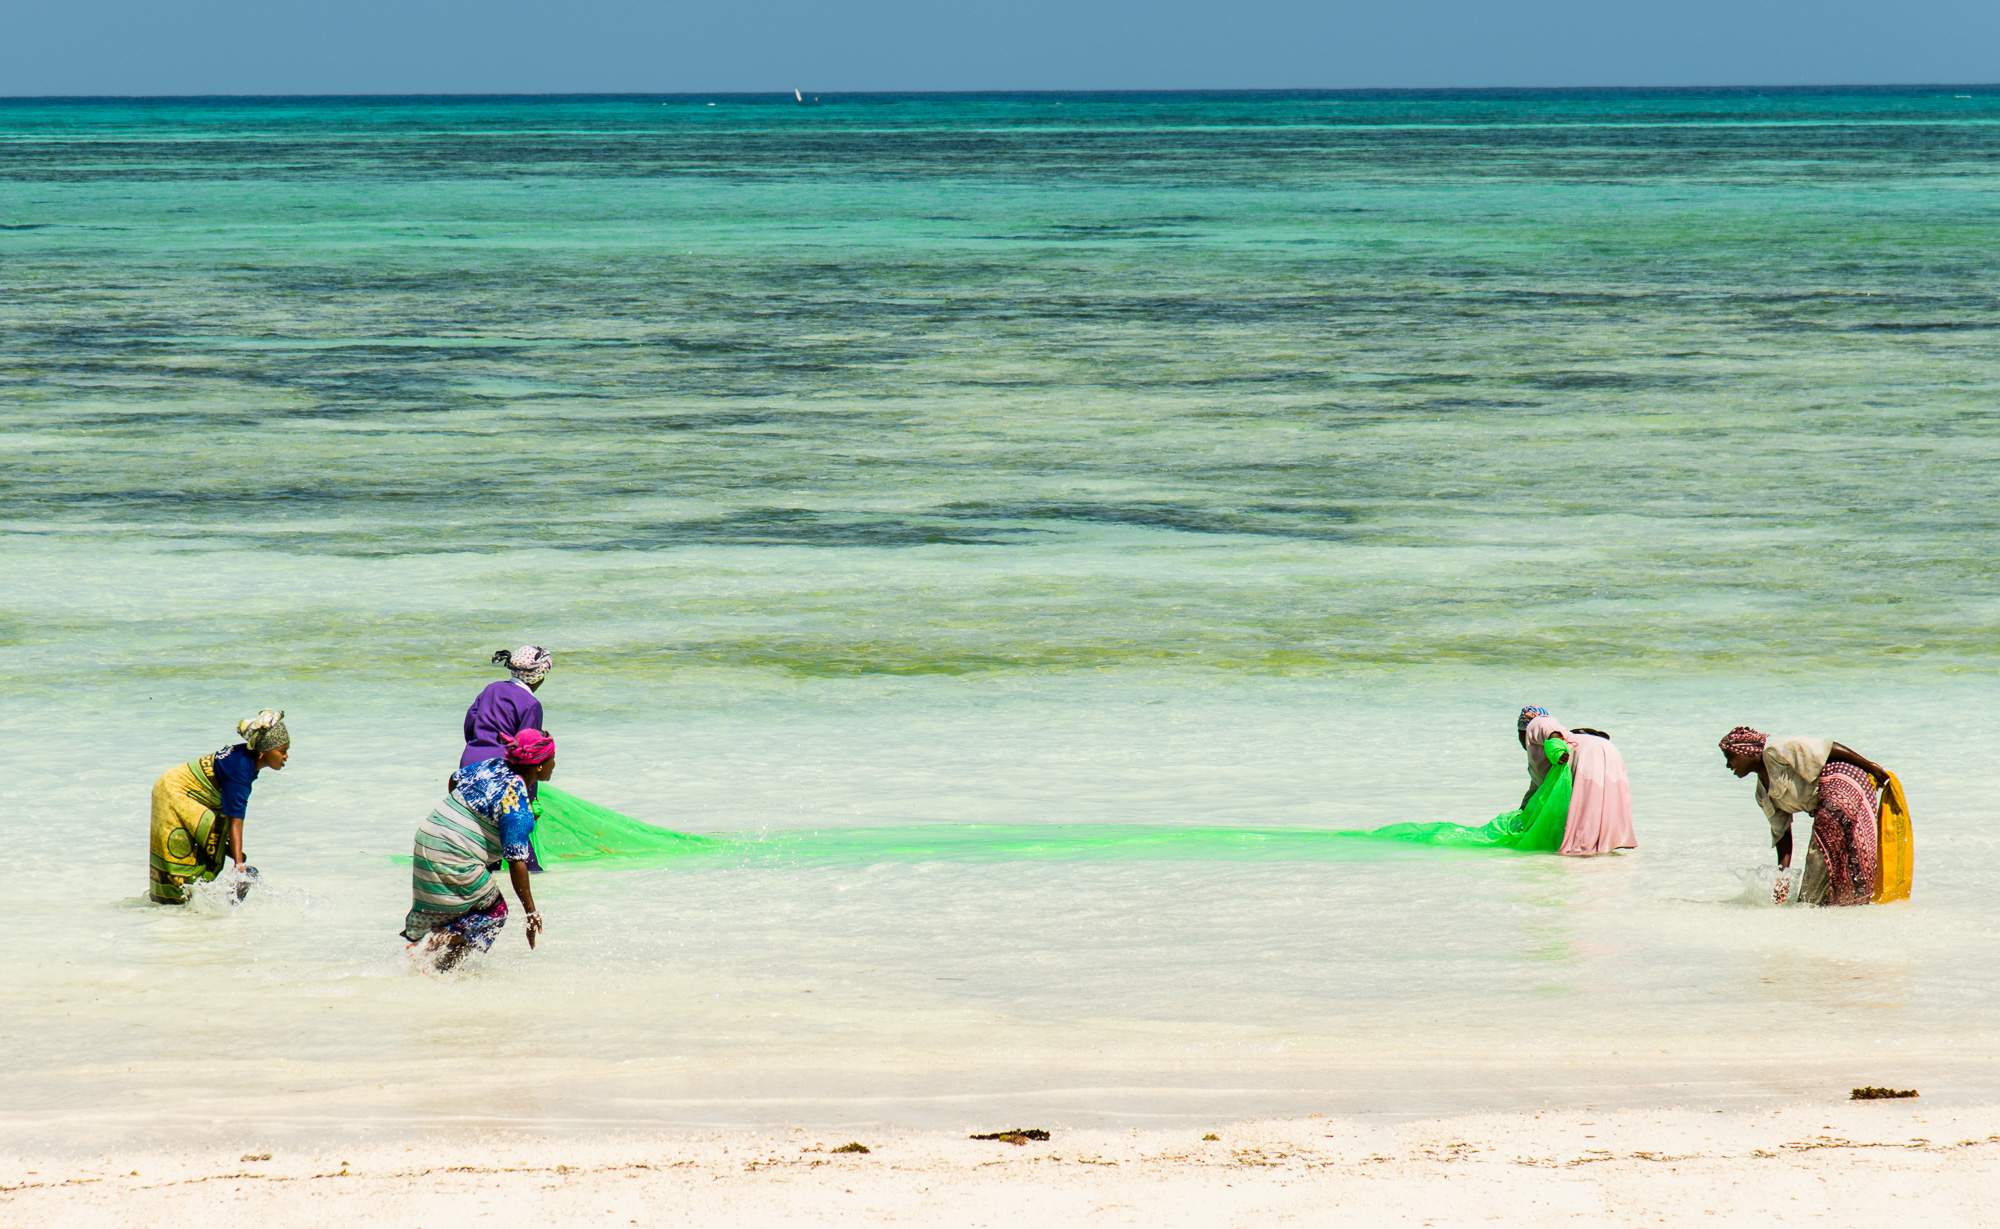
(517, 872)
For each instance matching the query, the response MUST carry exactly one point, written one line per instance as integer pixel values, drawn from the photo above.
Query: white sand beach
(1847, 1163)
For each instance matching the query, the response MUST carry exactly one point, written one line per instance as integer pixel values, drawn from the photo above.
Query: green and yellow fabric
(188, 837)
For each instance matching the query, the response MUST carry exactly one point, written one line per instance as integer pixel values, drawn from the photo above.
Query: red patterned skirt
(1844, 830)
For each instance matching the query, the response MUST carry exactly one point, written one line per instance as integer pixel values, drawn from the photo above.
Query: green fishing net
(567, 827)
(1537, 827)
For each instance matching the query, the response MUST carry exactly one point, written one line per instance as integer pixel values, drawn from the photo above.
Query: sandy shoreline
(1838, 1163)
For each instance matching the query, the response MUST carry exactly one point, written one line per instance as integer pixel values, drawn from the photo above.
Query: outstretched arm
(517, 873)
(236, 840)
(1843, 754)
(1785, 851)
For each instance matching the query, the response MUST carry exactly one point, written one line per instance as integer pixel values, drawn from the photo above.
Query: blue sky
(505, 46)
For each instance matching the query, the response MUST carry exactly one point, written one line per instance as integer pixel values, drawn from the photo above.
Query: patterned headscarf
(1743, 741)
(1528, 714)
(529, 747)
(530, 663)
(265, 732)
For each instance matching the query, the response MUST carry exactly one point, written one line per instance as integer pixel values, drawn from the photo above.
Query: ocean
(896, 478)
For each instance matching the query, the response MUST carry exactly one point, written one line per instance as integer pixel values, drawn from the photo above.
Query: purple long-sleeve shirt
(504, 709)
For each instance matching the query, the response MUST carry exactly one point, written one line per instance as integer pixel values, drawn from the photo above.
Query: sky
(140, 47)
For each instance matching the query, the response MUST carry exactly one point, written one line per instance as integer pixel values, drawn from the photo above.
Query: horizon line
(786, 92)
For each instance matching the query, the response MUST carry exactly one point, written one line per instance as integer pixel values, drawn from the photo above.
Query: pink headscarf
(530, 747)
(1743, 741)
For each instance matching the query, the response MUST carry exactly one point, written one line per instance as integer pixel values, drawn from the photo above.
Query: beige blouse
(1793, 765)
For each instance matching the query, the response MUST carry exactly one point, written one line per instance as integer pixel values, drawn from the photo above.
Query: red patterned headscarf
(1743, 741)
(530, 747)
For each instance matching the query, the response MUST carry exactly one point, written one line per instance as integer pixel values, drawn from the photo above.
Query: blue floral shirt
(497, 792)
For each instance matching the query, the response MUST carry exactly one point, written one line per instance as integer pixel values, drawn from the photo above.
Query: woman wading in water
(1578, 800)
(1599, 818)
(456, 903)
(507, 706)
(504, 709)
(1836, 786)
(198, 809)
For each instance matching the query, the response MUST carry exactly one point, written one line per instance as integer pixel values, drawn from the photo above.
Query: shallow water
(1059, 465)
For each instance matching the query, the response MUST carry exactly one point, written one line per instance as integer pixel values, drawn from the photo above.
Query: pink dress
(1600, 796)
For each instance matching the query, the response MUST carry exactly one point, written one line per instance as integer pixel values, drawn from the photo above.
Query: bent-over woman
(1836, 786)
(1600, 797)
(198, 809)
(1542, 822)
(504, 709)
(507, 706)
(484, 821)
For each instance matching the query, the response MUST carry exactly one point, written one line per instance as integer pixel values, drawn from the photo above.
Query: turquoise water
(958, 477)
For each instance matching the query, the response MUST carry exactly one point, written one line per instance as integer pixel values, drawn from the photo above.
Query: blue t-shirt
(235, 770)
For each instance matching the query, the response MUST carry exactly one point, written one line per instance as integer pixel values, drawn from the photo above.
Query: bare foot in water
(438, 952)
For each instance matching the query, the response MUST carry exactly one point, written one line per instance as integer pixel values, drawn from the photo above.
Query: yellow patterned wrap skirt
(188, 837)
